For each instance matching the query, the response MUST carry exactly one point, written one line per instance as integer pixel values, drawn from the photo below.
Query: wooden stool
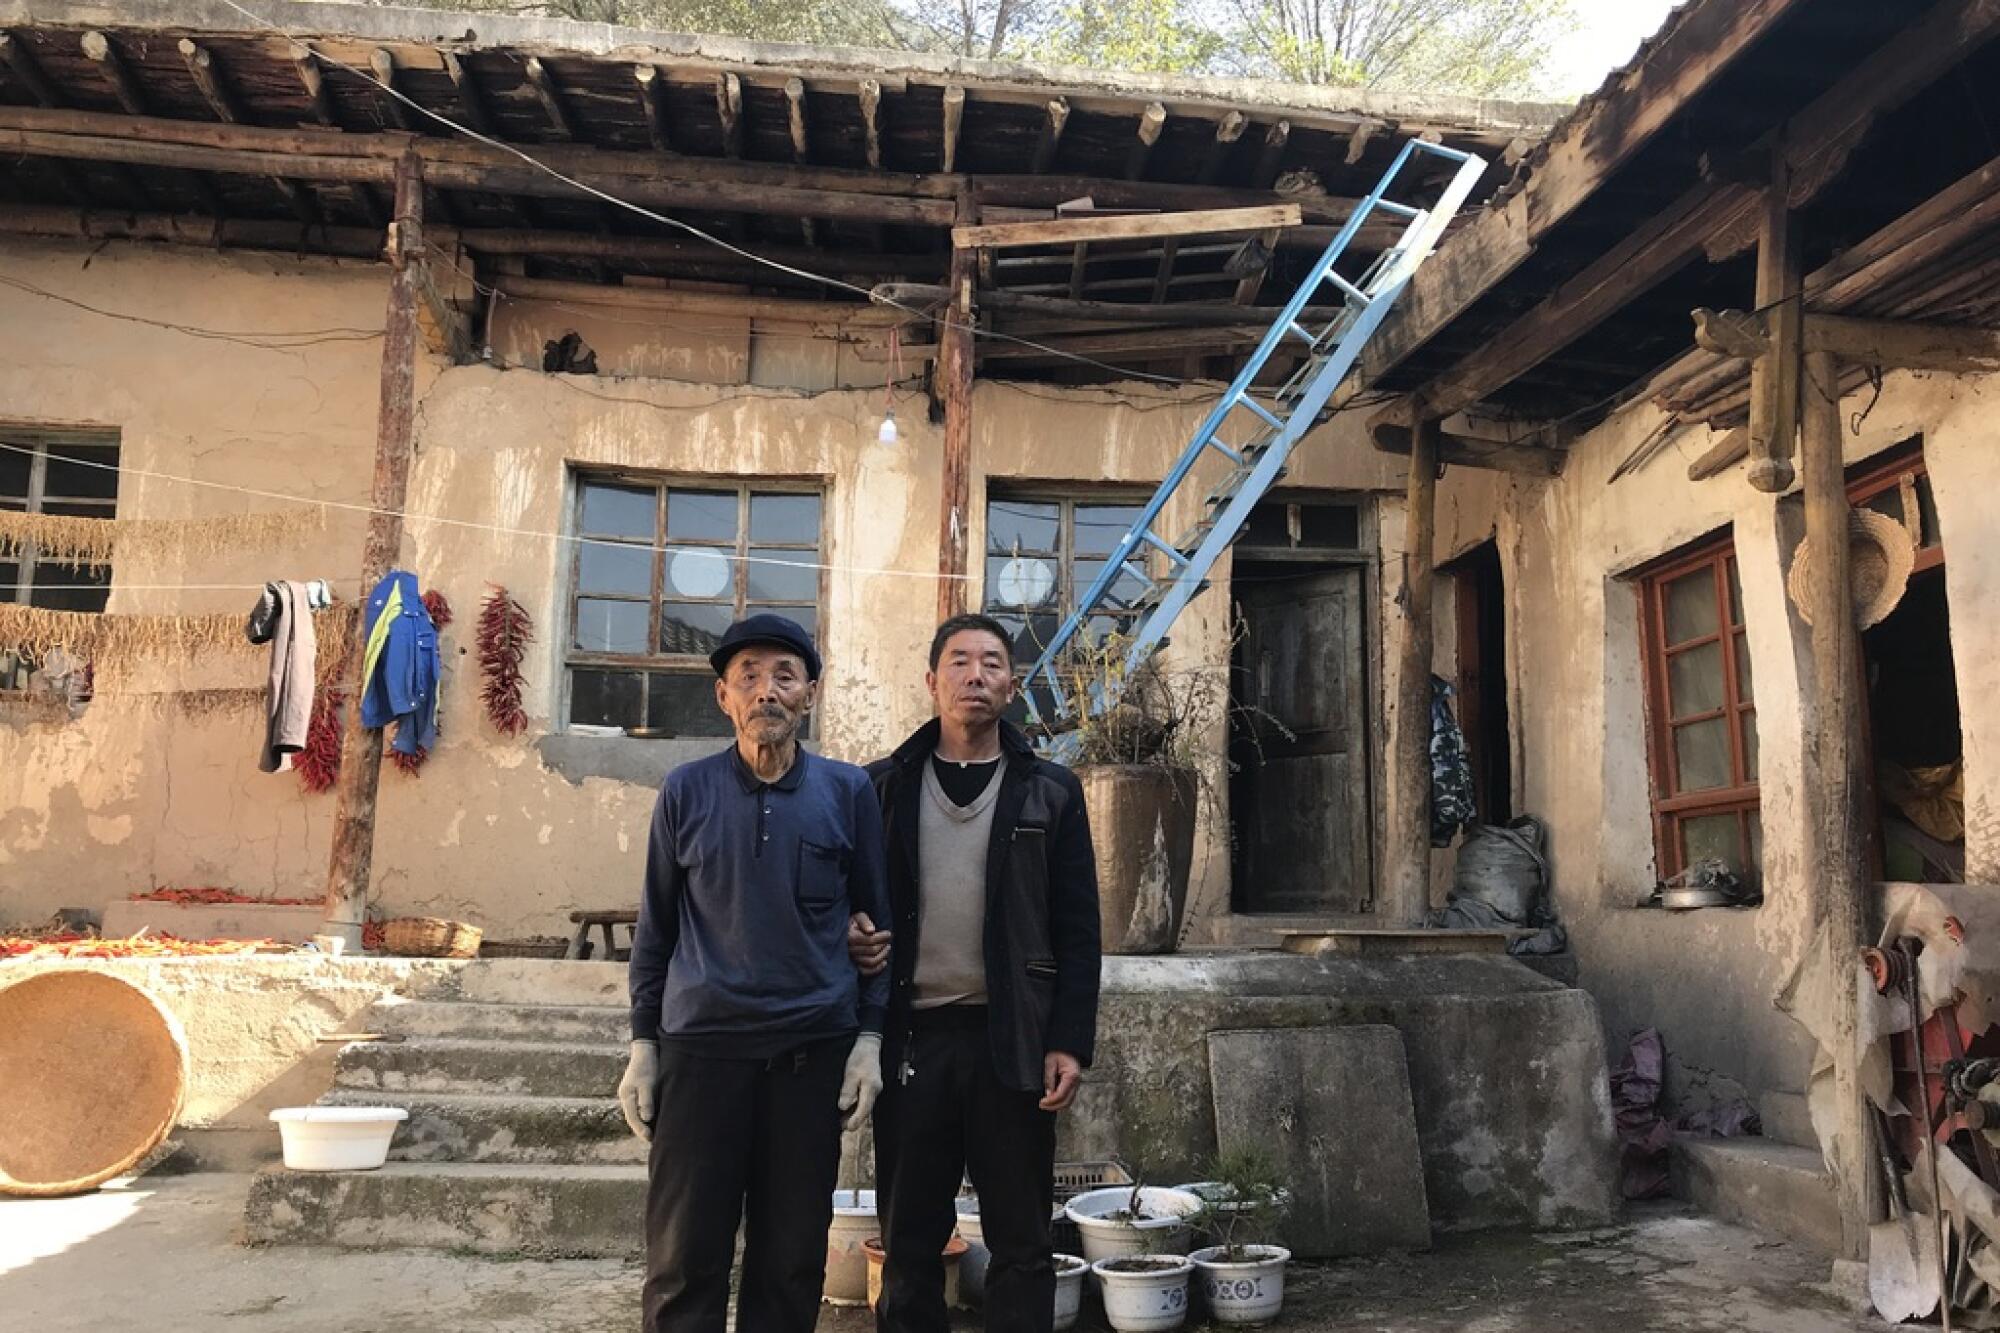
(579, 943)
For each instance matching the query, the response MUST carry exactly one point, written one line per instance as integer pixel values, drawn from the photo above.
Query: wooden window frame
(1067, 499)
(41, 439)
(1899, 468)
(663, 485)
(1670, 805)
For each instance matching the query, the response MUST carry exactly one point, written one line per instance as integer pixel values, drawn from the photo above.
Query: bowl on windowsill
(650, 733)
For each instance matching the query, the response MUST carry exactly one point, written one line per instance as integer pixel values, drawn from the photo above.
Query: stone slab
(1333, 1107)
(213, 921)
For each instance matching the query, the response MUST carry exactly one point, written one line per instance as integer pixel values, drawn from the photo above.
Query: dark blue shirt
(741, 947)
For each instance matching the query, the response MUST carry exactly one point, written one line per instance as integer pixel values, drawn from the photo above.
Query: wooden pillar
(954, 371)
(1774, 378)
(1406, 879)
(361, 750)
(1838, 882)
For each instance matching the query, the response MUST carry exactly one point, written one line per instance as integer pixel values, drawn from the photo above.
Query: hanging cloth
(1453, 805)
(282, 618)
(400, 668)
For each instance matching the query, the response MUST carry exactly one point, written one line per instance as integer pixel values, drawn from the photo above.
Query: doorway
(1480, 602)
(1299, 792)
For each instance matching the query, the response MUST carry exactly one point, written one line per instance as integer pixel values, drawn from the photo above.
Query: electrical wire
(276, 341)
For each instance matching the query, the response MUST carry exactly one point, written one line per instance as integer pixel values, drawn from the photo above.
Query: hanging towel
(1452, 804)
(399, 668)
(281, 619)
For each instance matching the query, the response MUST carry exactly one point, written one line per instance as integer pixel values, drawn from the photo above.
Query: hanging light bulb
(886, 434)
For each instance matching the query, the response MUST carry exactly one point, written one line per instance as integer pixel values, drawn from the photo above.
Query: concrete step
(547, 1212)
(1776, 1187)
(473, 1127)
(597, 1025)
(1787, 1119)
(499, 1068)
(542, 981)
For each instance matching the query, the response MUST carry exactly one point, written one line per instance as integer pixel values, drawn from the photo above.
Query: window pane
(1694, 681)
(1126, 589)
(693, 627)
(701, 516)
(1022, 525)
(1743, 695)
(67, 588)
(1269, 525)
(805, 617)
(1718, 836)
(1753, 867)
(619, 511)
(625, 570)
(783, 576)
(785, 518)
(1749, 725)
(1030, 634)
(700, 573)
(1020, 582)
(10, 581)
(1098, 628)
(14, 469)
(1098, 527)
(82, 471)
(610, 627)
(1927, 511)
(605, 698)
(1691, 606)
(1337, 526)
(1702, 749)
(684, 704)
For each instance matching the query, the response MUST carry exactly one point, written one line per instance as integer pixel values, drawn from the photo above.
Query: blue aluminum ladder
(1258, 462)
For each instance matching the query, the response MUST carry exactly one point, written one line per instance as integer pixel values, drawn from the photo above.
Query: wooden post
(361, 750)
(1837, 881)
(1406, 879)
(1774, 379)
(954, 370)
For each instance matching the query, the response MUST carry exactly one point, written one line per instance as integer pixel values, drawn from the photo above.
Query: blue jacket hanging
(399, 670)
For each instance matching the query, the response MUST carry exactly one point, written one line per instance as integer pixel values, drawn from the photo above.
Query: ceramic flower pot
(1110, 1232)
(1144, 1293)
(1247, 1288)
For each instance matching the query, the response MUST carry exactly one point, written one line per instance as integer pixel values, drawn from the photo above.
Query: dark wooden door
(1300, 794)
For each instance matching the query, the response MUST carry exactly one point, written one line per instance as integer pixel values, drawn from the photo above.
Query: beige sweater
(951, 890)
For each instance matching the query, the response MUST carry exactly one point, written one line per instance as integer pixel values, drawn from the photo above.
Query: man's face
(766, 693)
(974, 678)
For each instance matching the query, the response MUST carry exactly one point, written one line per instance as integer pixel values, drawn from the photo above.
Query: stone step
(542, 981)
(501, 1068)
(474, 1127)
(544, 1212)
(1776, 1187)
(1787, 1119)
(597, 1025)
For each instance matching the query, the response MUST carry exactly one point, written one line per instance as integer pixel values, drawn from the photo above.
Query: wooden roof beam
(1814, 141)
(954, 119)
(1227, 131)
(314, 82)
(1357, 142)
(382, 61)
(795, 116)
(1055, 116)
(97, 49)
(208, 78)
(549, 96)
(471, 103)
(729, 110)
(1271, 157)
(1584, 154)
(653, 101)
(1151, 121)
(23, 69)
(869, 98)
(1130, 226)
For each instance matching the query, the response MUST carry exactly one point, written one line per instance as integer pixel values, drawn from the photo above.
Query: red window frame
(1672, 805)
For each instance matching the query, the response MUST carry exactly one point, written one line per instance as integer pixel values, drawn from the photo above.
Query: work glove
(635, 1090)
(862, 1082)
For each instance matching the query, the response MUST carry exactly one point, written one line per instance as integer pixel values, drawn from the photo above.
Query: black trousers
(754, 1141)
(954, 1117)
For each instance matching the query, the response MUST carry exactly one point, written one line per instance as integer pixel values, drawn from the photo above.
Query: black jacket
(1042, 937)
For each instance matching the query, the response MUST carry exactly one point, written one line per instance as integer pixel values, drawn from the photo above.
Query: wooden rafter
(1134, 226)
(215, 91)
(97, 49)
(471, 102)
(1357, 142)
(1055, 116)
(1271, 157)
(382, 63)
(23, 69)
(729, 110)
(550, 96)
(1151, 121)
(795, 115)
(653, 101)
(1774, 379)
(869, 99)
(954, 119)
(306, 64)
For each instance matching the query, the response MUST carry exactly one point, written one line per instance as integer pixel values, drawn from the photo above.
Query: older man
(749, 1023)
(993, 1014)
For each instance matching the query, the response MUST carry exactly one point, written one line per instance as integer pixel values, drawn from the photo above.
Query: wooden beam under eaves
(795, 118)
(869, 98)
(221, 100)
(954, 119)
(97, 49)
(306, 63)
(23, 70)
(382, 61)
(1126, 226)
(729, 110)
(549, 96)
(1151, 121)
(471, 103)
(653, 102)
(1055, 117)
(1271, 157)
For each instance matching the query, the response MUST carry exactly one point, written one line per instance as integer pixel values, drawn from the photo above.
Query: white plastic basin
(337, 1138)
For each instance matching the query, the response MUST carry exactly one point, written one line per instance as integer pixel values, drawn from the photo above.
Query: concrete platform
(216, 921)
(1772, 1186)
(454, 1064)
(473, 1127)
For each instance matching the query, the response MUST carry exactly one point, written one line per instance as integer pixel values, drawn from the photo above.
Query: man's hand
(1062, 1074)
(867, 946)
(862, 1082)
(635, 1090)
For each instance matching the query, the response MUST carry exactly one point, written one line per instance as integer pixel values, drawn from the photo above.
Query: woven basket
(1881, 556)
(430, 937)
(546, 946)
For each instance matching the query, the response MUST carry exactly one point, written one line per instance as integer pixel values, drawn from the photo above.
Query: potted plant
(1128, 1220)
(1242, 1275)
(1144, 1293)
(1069, 1290)
(1137, 763)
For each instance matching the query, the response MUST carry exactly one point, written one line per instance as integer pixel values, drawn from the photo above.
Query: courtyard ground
(159, 1253)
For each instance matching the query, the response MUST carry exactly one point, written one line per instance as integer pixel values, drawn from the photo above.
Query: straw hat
(96, 1070)
(1881, 556)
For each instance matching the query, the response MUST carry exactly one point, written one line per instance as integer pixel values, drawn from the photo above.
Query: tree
(1160, 36)
(1482, 47)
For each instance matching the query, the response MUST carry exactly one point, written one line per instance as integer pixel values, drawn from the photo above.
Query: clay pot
(1142, 821)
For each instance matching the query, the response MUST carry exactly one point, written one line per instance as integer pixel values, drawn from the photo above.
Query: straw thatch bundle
(92, 543)
(112, 642)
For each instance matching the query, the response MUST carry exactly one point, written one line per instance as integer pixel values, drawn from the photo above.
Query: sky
(1609, 33)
